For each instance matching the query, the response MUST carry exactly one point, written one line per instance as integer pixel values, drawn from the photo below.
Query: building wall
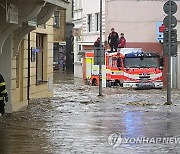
(5, 69)
(69, 15)
(69, 46)
(78, 71)
(14, 61)
(59, 39)
(45, 89)
(19, 79)
(91, 36)
(82, 36)
(137, 19)
(59, 32)
(176, 77)
(77, 34)
(69, 37)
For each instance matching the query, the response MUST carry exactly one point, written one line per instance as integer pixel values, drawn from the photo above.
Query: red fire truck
(129, 67)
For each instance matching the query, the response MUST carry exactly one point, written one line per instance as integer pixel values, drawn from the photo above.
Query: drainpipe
(29, 54)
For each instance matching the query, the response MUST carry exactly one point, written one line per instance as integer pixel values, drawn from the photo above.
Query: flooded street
(77, 121)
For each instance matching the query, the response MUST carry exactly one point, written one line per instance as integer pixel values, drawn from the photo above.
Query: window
(56, 19)
(97, 22)
(56, 55)
(39, 57)
(114, 62)
(110, 61)
(89, 22)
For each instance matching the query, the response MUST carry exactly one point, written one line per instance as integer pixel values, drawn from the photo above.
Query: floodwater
(77, 121)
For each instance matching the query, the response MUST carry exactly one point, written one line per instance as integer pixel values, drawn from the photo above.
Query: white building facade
(86, 30)
(77, 33)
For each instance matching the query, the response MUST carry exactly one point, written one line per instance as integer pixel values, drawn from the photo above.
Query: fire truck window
(118, 62)
(114, 62)
(110, 61)
(145, 63)
(151, 62)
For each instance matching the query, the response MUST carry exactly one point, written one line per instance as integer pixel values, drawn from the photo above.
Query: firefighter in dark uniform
(97, 42)
(3, 94)
(113, 40)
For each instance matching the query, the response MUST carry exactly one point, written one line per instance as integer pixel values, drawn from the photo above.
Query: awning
(62, 3)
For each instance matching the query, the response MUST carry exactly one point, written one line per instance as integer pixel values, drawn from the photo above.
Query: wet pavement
(77, 121)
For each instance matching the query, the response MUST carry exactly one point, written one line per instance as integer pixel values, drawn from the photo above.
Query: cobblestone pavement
(76, 120)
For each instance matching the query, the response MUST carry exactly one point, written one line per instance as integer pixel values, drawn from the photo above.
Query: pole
(169, 58)
(100, 64)
(28, 81)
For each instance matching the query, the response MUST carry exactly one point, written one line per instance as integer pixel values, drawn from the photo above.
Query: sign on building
(32, 22)
(159, 31)
(12, 14)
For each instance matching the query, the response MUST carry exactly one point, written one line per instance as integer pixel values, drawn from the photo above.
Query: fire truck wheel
(117, 83)
(121, 84)
(94, 82)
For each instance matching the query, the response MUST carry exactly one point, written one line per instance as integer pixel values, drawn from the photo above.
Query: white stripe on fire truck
(136, 76)
(133, 76)
(154, 76)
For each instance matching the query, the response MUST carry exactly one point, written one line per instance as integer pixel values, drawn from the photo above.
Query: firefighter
(97, 42)
(3, 95)
(118, 61)
(122, 41)
(113, 40)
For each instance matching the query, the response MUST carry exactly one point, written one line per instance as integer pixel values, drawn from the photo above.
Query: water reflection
(133, 122)
(150, 124)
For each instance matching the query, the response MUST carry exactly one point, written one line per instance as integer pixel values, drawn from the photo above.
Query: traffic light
(170, 34)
